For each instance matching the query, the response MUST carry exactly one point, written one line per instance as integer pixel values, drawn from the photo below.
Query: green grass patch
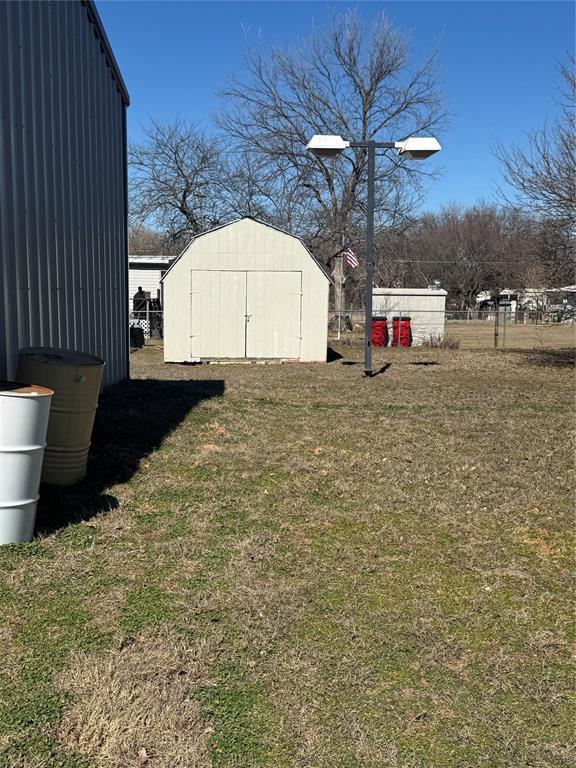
(79, 536)
(145, 607)
(364, 574)
(246, 727)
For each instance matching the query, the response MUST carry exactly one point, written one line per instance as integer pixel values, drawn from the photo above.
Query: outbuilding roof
(258, 221)
(409, 292)
(135, 259)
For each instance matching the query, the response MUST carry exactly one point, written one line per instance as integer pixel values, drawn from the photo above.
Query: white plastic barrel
(24, 413)
(75, 378)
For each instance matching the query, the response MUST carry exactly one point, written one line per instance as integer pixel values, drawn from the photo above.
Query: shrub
(441, 341)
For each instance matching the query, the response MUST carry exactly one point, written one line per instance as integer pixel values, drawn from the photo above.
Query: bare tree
(463, 248)
(149, 242)
(176, 177)
(252, 187)
(543, 176)
(345, 80)
(182, 183)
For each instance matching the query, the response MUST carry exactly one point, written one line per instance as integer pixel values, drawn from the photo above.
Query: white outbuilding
(146, 272)
(245, 290)
(426, 308)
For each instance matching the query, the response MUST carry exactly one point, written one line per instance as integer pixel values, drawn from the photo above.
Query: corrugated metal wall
(63, 249)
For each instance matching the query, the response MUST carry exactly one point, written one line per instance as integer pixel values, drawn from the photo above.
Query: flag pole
(340, 290)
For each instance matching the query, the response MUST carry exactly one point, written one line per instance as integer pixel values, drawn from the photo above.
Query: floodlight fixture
(327, 146)
(418, 147)
(412, 148)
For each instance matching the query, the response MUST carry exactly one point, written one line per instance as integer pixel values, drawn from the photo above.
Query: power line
(448, 262)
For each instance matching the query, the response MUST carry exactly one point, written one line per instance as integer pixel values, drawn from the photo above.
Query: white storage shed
(245, 290)
(426, 308)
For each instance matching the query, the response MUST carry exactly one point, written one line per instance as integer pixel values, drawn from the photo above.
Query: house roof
(258, 221)
(135, 260)
(409, 292)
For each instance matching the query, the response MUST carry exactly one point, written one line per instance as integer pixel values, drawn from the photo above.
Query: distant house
(558, 304)
(63, 200)
(561, 304)
(246, 290)
(146, 272)
(485, 300)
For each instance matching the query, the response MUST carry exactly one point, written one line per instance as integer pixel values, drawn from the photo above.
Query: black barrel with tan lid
(75, 378)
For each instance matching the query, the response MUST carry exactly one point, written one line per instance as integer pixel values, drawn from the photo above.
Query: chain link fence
(465, 329)
(455, 329)
(146, 322)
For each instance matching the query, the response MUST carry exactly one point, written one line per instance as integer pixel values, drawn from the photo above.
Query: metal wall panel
(63, 202)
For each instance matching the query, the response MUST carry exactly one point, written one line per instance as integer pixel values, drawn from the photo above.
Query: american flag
(351, 258)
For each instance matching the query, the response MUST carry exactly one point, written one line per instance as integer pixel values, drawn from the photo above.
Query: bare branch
(346, 80)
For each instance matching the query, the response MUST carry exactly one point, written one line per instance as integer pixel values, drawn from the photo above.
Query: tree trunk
(339, 283)
(339, 278)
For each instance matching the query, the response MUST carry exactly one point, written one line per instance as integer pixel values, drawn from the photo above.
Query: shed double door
(245, 314)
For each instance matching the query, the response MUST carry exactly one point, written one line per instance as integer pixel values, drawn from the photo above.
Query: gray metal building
(63, 194)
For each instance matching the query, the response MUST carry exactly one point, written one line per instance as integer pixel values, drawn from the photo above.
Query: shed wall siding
(426, 311)
(245, 245)
(63, 252)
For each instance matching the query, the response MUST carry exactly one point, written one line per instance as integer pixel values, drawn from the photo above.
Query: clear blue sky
(498, 65)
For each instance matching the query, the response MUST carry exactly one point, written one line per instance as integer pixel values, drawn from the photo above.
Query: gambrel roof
(257, 221)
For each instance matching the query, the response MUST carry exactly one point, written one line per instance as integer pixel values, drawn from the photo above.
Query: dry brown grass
(368, 572)
(131, 707)
(480, 335)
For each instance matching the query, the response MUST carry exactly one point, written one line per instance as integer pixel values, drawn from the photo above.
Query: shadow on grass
(381, 370)
(332, 355)
(132, 420)
(552, 358)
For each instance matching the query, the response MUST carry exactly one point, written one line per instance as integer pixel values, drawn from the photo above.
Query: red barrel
(401, 332)
(379, 332)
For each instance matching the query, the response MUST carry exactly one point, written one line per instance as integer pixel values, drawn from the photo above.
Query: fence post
(496, 323)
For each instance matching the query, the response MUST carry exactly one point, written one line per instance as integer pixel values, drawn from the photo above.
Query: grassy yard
(290, 566)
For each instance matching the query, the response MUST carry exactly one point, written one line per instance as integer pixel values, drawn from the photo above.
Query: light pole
(414, 148)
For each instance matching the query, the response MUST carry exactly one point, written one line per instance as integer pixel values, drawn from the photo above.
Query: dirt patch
(132, 706)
